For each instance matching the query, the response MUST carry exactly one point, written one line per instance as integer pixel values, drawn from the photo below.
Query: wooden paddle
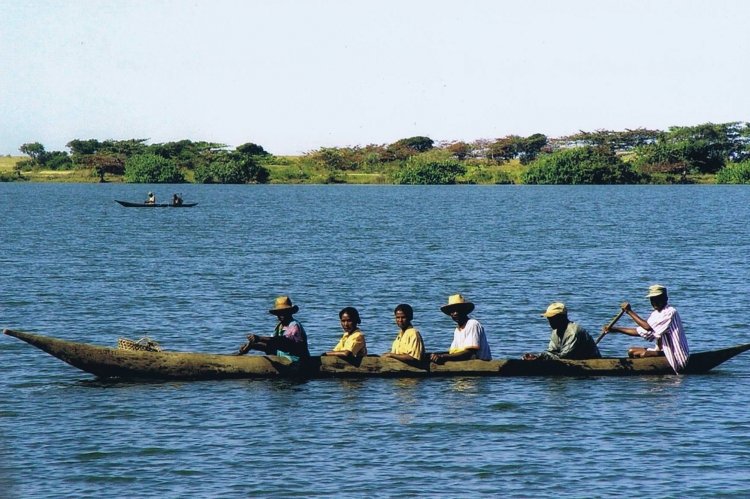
(609, 325)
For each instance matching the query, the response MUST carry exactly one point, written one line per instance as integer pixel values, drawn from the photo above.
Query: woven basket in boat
(142, 345)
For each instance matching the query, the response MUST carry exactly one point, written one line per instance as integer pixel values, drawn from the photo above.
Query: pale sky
(293, 76)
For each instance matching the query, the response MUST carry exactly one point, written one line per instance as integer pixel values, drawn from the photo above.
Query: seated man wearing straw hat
(469, 340)
(663, 326)
(568, 340)
(289, 338)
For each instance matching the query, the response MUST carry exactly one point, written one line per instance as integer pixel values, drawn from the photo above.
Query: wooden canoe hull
(105, 362)
(128, 204)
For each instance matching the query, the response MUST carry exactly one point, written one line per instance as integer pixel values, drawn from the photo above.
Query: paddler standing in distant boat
(469, 339)
(568, 339)
(289, 338)
(664, 327)
(151, 199)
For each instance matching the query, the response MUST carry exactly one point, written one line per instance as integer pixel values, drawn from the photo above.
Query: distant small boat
(128, 204)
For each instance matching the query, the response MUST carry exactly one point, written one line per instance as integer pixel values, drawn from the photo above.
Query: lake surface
(75, 265)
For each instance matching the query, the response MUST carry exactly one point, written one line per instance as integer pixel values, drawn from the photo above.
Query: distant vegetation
(707, 152)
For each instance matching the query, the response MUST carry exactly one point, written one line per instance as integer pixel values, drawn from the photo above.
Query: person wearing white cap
(469, 340)
(568, 339)
(664, 327)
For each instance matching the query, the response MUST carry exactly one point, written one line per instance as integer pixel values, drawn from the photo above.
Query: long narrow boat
(105, 362)
(128, 204)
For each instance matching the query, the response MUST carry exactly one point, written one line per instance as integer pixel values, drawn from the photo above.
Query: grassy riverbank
(294, 170)
(282, 170)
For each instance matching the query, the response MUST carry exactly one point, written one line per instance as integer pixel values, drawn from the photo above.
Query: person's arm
(350, 349)
(404, 357)
(344, 354)
(552, 349)
(254, 342)
(466, 354)
(630, 331)
(636, 318)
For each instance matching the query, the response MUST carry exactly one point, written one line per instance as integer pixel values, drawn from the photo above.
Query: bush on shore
(430, 168)
(152, 169)
(580, 165)
(734, 173)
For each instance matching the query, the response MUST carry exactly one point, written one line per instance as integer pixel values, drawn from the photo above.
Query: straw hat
(554, 309)
(656, 290)
(457, 302)
(283, 304)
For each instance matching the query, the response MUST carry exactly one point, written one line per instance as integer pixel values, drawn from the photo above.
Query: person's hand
(436, 358)
(529, 356)
(243, 349)
(625, 306)
(251, 338)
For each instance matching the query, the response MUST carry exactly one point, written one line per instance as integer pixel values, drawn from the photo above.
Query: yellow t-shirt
(409, 342)
(354, 342)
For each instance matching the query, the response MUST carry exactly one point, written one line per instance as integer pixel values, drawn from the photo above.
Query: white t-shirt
(471, 336)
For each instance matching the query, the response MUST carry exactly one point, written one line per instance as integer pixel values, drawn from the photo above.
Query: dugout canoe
(106, 362)
(128, 204)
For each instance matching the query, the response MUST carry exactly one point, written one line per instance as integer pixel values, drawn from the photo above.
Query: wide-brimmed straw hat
(554, 309)
(283, 304)
(656, 290)
(457, 302)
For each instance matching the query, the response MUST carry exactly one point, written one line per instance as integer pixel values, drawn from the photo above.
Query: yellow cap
(554, 309)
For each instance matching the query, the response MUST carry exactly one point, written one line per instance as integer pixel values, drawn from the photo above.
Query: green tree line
(599, 157)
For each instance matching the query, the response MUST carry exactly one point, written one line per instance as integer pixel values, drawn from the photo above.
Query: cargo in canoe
(128, 204)
(106, 362)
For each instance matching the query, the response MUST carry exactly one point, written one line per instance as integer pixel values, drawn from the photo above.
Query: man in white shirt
(469, 339)
(664, 327)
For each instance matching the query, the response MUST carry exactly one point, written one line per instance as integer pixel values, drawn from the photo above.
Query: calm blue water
(76, 265)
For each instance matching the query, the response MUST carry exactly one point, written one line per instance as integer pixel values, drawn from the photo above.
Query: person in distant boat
(568, 339)
(289, 338)
(663, 326)
(352, 344)
(176, 200)
(151, 199)
(408, 345)
(469, 339)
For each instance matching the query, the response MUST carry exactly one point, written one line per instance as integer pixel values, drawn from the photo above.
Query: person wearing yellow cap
(469, 339)
(289, 338)
(663, 327)
(568, 339)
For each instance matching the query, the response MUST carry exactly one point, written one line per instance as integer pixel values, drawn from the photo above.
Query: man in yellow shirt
(408, 345)
(352, 344)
